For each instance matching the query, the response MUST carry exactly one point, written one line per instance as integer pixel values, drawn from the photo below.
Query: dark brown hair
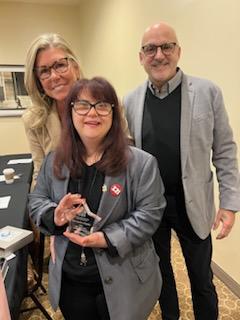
(71, 150)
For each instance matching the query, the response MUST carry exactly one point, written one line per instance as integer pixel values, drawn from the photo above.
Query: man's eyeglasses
(82, 107)
(150, 50)
(59, 66)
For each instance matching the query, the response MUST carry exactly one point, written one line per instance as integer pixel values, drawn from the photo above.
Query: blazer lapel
(111, 190)
(138, 116)
(186, 117)
(53, 126)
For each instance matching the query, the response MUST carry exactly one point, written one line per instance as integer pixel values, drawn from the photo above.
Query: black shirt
(89, 185)
(161, 135)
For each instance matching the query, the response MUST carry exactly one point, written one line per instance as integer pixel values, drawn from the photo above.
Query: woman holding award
(97, 195)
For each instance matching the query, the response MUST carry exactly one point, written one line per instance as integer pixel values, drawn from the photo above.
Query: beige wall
(107, 33)
(208, 33)
(19, 25)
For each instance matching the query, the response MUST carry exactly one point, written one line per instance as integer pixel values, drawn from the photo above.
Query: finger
(74, 237)
(73, 212)
(224, 232)
(216, 223)
(69, 200)
(220, 236)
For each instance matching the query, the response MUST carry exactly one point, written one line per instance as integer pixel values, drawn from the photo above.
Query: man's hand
(226, 218)
(94, 240)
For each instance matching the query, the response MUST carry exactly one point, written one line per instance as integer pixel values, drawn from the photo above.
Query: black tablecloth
(16, 215)
(24, 169)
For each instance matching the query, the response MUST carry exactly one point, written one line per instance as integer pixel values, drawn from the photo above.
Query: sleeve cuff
(111, 250)
(47, 222)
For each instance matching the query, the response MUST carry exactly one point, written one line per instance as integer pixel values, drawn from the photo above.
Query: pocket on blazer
(144, 263)
(202, 116)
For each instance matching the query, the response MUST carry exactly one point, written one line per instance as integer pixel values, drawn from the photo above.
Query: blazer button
(99, 251)
(108, 280)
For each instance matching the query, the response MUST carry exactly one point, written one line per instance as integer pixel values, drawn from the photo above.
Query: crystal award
(82, 223)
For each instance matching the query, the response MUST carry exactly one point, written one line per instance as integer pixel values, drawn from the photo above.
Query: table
(16, 215)
(25, 169)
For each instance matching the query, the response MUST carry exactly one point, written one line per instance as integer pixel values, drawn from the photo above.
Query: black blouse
(89, 185)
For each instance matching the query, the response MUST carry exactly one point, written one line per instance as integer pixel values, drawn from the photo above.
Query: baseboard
(226, 279)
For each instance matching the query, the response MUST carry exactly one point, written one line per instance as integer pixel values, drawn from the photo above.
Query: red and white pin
(116, 189)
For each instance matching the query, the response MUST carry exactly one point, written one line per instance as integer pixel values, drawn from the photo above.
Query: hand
(94, 240)
(226, 218)
(68, 208)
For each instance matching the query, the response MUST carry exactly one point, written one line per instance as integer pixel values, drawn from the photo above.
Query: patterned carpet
(229, 304)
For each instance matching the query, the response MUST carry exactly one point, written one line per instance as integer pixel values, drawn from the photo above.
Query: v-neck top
(90, 188)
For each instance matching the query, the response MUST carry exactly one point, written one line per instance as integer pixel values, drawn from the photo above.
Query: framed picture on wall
(13, 95)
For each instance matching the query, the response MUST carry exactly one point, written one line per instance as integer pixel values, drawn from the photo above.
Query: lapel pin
(116, 189)
(104, 188)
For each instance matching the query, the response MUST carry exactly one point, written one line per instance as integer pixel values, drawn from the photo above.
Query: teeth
(58, 87)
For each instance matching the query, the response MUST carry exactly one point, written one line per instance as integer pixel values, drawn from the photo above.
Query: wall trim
(226, 279)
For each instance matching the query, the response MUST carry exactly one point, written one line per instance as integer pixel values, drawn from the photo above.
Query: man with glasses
(182, 121)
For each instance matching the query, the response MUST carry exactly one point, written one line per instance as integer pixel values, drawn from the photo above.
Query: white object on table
(4, 202)
(17, 161)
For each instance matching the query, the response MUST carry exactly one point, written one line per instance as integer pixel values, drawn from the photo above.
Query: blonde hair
(37, 114)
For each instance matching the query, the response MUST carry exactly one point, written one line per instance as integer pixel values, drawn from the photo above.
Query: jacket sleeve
(35, 149)
(224, 156)
(146, 207)
(40, 200)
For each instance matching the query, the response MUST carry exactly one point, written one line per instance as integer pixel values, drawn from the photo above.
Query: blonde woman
(51, 70)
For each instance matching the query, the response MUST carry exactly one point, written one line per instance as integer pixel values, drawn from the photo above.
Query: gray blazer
(132, 280)
(205, 135)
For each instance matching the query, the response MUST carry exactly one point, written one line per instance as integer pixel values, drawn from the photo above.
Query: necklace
(86, 219)
(90, 160)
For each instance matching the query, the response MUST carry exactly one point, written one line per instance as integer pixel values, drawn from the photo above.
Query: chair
(37, 255)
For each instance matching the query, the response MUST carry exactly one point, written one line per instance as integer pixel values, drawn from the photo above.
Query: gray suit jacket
(132, 280)
(205, 135)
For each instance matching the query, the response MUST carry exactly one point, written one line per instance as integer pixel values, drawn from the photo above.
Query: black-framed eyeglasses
(59, 66)
(167, 48)
(82, 107)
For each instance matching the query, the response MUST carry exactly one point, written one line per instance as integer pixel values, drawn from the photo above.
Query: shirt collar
(168, 87)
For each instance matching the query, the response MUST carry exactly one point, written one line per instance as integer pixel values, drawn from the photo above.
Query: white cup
(9, 175)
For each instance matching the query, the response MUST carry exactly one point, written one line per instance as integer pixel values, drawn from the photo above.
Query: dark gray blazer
(205, 135)
(131, 281)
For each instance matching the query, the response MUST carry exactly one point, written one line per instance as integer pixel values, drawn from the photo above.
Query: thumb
(216, 222)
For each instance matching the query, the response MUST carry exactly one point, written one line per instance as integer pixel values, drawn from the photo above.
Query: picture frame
(13, 95)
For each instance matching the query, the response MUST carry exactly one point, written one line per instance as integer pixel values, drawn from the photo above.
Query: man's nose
(159, 54)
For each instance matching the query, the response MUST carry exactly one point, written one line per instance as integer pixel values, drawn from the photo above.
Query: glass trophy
(81, 224)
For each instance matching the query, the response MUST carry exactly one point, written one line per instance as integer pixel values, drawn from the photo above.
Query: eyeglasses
(82, 107)
(150, 50)
(59, 66)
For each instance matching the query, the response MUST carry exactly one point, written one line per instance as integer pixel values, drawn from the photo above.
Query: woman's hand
(67, 209)
(94, 240)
